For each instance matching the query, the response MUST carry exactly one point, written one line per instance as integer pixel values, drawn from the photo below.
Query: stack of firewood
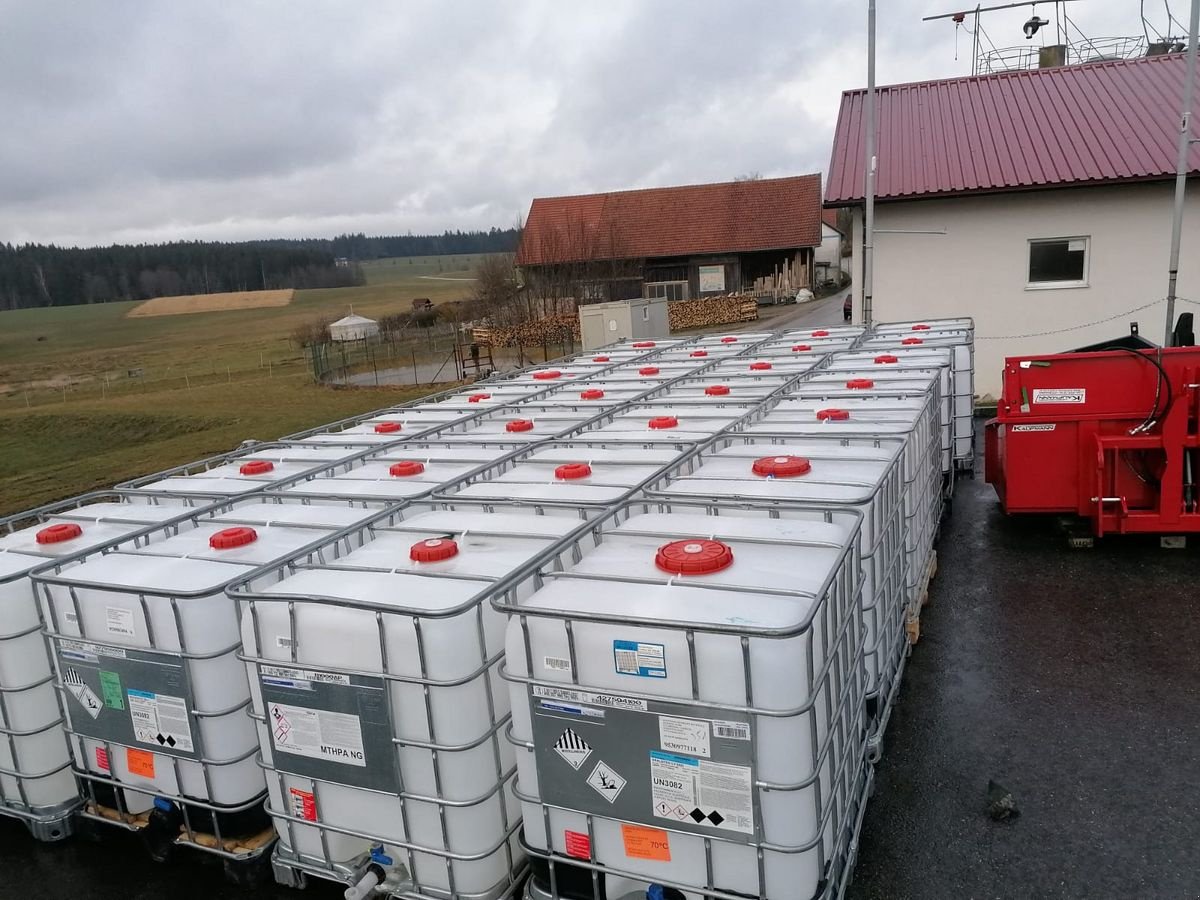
(705, 311)
(547, 330)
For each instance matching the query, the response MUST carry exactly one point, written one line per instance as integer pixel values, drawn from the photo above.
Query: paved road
(819, 312)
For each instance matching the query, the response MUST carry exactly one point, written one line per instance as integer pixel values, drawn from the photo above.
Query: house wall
(979, 267)
(830, 251)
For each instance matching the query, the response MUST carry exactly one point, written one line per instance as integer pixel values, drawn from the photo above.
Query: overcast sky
(156, 121)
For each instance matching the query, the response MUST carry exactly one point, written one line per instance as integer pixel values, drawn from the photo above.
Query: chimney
(1052, 56)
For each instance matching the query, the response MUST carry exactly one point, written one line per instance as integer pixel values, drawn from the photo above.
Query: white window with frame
(666, 290)
(1058, 263)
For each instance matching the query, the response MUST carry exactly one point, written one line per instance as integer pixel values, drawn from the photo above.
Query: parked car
(848, 308)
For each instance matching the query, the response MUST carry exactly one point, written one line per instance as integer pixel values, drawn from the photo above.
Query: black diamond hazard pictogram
(160, 739)
(715, 817)
(170, 740)
(697, 815)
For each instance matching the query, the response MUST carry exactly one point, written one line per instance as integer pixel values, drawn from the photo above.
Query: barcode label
(734, 731)
(627, 661)
(556, 663)
(283, 643)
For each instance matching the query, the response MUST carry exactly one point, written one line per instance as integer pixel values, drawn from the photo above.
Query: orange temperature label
(646, 843)
(140, 762)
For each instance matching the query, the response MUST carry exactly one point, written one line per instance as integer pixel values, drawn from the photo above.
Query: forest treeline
(34, 275)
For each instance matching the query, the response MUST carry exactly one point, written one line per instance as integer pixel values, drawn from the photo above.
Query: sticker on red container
(579, 846)
(304, 805)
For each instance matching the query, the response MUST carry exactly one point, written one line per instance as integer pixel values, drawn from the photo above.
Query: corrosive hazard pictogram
(572, 748)
(606, 782)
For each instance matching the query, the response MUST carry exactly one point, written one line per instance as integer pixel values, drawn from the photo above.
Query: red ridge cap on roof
(728, 217)
(1090, 123)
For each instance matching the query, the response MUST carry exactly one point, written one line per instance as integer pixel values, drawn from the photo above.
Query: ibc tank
(36, 783)
(244, 471)
(145, 645)
(651, 421)
(782, 477)
(378, 703)
(573, 478)
(387, 426)
(687, 699)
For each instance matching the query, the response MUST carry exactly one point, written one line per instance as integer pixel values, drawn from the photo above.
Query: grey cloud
(151, 121)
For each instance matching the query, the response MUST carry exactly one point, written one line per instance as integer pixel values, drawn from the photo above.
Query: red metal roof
(731, 217)
(1084, 124)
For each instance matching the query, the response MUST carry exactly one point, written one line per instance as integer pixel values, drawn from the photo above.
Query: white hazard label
(318, 734)
(80, 691)
(698, 792)
(1060, 395)
(119, 621)
(689, 736)
(606, 782)
(160, 720)
(572, 748)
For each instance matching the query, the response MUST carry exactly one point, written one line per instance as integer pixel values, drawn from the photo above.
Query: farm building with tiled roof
(1037, 201)
(675, 242)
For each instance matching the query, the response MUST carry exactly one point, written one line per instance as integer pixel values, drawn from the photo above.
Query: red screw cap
(699, 353)
(256, 467)
(641, 345)
(911, 341)
(229, 538)
(660, 422)
(519, 425)
(781, 466)
(717, 390)
(475, 398)
(648, 370)
(694, 557)
(571, 471)
(760, 366)
(388, 427)
(406, 468)
(601, 359)
(433, 550)
(56, 534)
(800, 348)
(860, 384)
(547, 374)
(886, 358)
(591, 394)
(920, 328)
(729, 340)
(833, 415)
(820, 333)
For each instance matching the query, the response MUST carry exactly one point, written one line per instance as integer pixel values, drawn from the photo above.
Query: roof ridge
(1049, 71)
(681, 187)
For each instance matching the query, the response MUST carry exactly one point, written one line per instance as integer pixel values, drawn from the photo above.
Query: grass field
(89, 396)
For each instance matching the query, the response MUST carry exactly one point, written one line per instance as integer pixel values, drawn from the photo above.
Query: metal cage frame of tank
(57, 823)
(363, 533)
(842, 714)
(186, 805)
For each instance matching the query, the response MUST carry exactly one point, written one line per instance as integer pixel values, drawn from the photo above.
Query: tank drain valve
(373, 878)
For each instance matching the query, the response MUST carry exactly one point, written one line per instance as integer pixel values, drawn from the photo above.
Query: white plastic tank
(386, 426)
(707, 389)
(478, 397)
(379, 707)
(961, 343)
(788, 478)
(806, 345)
(552, 374)
(601, 392)
(524, 423)
(654, 371)
(701, 353)
(243, 471)
(36, 784)
(756, 365)
(403, 473)
(571, 478)
(684, 660)
(824, 331)
(650, 422)
(145, 645)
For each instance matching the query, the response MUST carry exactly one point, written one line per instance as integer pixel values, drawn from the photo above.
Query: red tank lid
(238, 536)
(694, 557)
(56, 534)
(781, 466)
(433, 550)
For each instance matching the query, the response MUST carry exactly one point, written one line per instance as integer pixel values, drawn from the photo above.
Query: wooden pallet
(912, 624)
(239, 846)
